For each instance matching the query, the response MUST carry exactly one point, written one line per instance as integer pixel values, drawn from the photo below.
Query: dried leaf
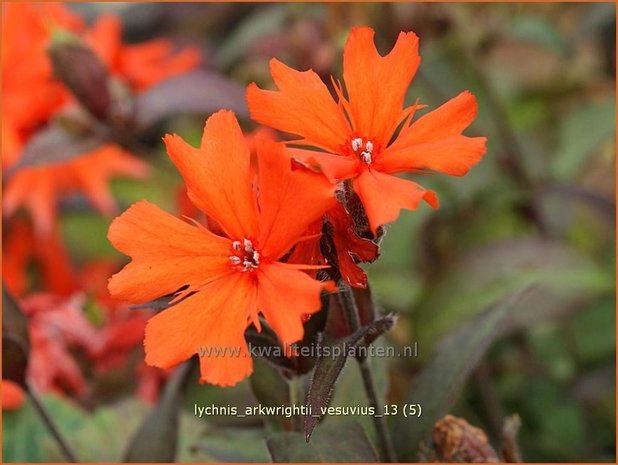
(510, 446)
(456, 440)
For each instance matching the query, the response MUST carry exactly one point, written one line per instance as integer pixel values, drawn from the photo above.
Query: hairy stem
(51, 426)
(352, 316)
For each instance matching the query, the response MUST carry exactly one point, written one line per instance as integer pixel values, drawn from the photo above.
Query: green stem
(352, 316)
(51, 426)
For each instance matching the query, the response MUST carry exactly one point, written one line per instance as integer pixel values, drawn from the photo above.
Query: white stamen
(248, 259)
(366, 156)
(357, 143)
(369, 146)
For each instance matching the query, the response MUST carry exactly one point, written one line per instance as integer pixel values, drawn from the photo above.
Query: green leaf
(329, 366)
(594, 332)
(487, 273)
(536, 30)
(218, 444)
(26, 439)
(260, 22)
(581, 132)
(102, 435)
(441, 381)
(157, 437)
(342, 441)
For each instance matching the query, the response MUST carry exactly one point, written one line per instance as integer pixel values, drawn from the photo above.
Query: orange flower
(21, 249)
(139, 65)
(29, 94)
(40, 188)
(226, 282)
(31, 97)
(13, 396)
(357, 131)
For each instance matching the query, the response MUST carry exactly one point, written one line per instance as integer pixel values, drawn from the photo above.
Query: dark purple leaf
(441, 381)
(157, 438)
(201, 92)
(271, 390)
(328, 368)
(56, 144)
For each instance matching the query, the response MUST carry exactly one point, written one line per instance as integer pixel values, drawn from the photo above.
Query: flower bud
(81, 70)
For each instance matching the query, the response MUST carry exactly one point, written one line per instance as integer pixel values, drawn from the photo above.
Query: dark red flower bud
(81, 70)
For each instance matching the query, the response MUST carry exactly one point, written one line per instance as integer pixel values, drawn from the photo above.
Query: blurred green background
(539, 208)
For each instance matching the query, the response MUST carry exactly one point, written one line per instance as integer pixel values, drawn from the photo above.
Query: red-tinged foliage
(21, 249)
(56, 326)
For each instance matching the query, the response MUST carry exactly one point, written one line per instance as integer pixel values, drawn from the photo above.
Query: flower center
(363, 148)
(244, 256)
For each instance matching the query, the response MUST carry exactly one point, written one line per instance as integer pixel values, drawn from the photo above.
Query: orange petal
(91, 171)
(335, 167)
(383, 196)
(290, 200)
(377, 85)
(350, 247)
(105, 38)
(13, 396)
(36, 190)
(212, 320)
(218, 174)
(302, 106)
(167, 254)
(435, 142)
(284, 296)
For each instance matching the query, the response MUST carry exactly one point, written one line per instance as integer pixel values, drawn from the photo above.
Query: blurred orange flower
(21, 249)
(31, 97)
(40, 188)
(226, 282)
(13, 396)
(138, 65)
(359, 131)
